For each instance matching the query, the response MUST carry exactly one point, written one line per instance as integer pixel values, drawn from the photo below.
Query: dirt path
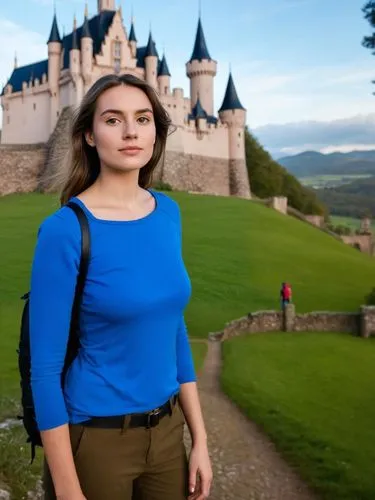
(246, 464)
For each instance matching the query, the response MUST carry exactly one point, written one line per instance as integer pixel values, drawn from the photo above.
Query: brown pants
(130, 463)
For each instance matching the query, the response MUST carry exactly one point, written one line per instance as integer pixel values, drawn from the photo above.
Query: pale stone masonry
(206, 152)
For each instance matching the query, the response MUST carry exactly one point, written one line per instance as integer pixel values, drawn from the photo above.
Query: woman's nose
(130, 129)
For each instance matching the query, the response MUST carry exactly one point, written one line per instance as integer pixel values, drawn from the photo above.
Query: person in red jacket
(285, 294)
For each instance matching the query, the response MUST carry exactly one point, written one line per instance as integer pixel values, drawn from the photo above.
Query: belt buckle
(153, 418)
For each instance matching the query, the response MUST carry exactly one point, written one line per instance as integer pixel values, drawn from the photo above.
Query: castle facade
(206, 151)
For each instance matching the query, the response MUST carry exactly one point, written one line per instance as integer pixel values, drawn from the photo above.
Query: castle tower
(233, 114)
(151, 63)
(164, 78)
(201, 70)
(106, 5)
(87, 52)
(133, 40)
(54, 56)
(75, 66)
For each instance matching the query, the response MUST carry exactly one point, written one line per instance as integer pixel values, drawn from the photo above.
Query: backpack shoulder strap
(85, 251)
(82, 274)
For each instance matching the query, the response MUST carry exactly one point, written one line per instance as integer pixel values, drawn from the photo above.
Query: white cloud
(28, 45)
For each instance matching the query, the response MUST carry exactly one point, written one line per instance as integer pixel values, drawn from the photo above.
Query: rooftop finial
(15, 61)
(86, 10)
(200, 8)
(74, 23)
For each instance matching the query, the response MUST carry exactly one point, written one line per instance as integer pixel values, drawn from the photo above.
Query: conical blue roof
(198, 111)
(132, 37)
(75, 37)
(54, 35)
(86, 29)
(231, 100)
(151, 49)
(200, 50)
(163, 68)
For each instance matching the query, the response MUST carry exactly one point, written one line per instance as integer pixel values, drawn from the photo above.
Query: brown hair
(83, 163)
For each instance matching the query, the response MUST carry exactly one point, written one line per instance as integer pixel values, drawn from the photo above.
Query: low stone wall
(20, 167)
(326, 322)
(363, 242)
(261, 321)
(359, 324)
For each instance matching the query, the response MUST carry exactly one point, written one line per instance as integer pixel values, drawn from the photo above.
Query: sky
(298, 65)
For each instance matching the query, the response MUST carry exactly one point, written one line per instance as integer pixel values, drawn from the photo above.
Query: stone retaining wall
(359, 324)
(20, 168)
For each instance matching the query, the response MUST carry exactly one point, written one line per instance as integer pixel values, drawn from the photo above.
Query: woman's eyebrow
(119, 112)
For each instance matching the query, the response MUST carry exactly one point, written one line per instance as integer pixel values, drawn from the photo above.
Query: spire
(150, 49)
(200, 50)
(231, 100)
(132, 37)
(54, 35)
(85, 28)
(15, 61)
(163, 68)
(198, 111)
(74, 37)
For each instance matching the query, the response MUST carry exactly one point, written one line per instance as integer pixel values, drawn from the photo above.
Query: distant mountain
(312, 163)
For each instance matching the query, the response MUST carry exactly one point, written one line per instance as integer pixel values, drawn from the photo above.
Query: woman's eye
(143, 120)
(113, 121)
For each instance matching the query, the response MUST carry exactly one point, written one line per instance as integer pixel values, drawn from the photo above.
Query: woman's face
(124, 130)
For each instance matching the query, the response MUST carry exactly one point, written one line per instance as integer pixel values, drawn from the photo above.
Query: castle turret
(133, 40)
(87, 51)
(201, 70)
(75, 55)
(164, 77)
(106, 5)
(151, 63)
(233, 114)
(54, 57)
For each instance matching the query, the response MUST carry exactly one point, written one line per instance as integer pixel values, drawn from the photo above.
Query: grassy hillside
(237, 254)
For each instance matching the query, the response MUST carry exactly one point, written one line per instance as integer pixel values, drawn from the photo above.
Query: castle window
(34, 106)
(165, 90)
(239, 134)
(117, 56)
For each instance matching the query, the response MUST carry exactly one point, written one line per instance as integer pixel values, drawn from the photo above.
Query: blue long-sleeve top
(134, 348)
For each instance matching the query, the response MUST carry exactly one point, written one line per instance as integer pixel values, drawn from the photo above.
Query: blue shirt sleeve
(53, 280)
(185, 364)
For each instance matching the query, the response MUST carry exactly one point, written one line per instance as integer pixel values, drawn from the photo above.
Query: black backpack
(24, 356)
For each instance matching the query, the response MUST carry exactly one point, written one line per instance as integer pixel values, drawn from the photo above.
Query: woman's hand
(200, 472)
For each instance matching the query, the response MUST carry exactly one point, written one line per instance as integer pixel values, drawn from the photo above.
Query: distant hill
(355, 199)
(311, 163)
(268, 178)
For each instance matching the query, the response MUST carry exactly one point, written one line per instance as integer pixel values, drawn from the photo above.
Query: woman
(100, 439)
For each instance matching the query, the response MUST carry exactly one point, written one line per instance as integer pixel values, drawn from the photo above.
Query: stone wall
(359, 324)
(316, 220)
(261, 321)
(20, 168)
(56, 149)
(195, 173)
(364, 242)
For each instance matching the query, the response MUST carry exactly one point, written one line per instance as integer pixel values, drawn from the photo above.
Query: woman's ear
(90, 138)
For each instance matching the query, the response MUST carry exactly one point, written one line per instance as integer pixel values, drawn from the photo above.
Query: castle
(205, 153)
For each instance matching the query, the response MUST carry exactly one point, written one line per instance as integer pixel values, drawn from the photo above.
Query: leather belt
(148, 419)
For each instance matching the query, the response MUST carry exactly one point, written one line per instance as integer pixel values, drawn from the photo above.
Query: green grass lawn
(237, 254)
(314, 395)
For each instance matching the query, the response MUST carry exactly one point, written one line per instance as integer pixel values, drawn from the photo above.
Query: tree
(268, 178)
(369, 13)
